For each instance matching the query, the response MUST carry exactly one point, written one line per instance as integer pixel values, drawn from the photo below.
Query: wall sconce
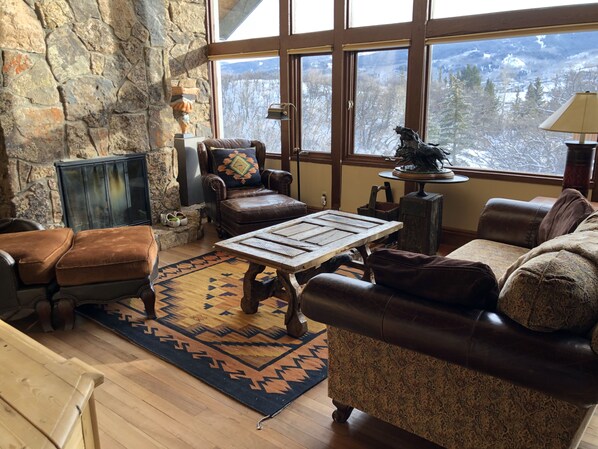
(579, 115)
(181, 101)
(280, 111)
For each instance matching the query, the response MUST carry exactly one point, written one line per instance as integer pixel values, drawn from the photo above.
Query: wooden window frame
(420, 32)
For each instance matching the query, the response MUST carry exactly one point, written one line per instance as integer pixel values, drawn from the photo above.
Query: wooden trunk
(422, 222)
(46, 401)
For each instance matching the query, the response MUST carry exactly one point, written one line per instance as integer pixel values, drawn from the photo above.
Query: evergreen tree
(454, 117)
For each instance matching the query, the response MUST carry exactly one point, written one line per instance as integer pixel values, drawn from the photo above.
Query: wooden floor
(147, 403)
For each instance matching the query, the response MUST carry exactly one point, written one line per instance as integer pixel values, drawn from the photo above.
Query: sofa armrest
(278, 180)
(560, 364)
(9, 283)
(214, 187)
(511, 221)
(18, 225)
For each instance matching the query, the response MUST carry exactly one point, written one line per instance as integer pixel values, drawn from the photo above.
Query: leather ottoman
(106, 265)
(241, 215)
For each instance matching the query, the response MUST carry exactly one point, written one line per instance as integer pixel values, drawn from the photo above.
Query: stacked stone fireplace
(83, 79)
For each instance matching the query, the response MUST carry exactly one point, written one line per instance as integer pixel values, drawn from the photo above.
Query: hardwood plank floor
(147, 403)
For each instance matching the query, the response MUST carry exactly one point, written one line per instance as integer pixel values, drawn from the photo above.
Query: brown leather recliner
(28, 255)
(244, 209)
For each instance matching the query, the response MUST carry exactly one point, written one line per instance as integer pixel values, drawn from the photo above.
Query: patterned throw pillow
(237, 167)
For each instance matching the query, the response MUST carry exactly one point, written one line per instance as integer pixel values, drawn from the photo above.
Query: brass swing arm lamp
(280, 111)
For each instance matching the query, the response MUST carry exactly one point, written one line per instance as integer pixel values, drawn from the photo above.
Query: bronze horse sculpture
(412, 150)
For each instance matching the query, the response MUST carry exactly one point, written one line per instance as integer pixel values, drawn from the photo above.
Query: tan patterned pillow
(589, 224)
(553, 291)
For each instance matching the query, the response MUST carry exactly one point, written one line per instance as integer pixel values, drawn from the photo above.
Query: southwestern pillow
(569, 210)
(237, 167)
(442, 279)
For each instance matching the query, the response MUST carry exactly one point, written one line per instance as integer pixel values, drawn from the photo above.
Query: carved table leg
(250, 300)
(342, 412)
(365, 252)
(294, 319)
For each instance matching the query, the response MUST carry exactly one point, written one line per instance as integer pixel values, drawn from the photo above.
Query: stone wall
(90, 78)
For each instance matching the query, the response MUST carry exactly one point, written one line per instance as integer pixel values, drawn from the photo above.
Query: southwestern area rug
(201, 329)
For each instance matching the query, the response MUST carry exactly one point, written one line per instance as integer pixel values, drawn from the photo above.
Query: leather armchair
(274, 182)
(27, 277)
(461, 377)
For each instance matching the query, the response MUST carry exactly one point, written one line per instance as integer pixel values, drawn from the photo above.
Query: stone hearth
(87, 78)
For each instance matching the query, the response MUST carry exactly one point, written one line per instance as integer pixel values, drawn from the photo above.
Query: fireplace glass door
(104, 192)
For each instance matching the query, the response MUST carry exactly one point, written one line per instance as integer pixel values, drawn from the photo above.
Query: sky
(316, 15)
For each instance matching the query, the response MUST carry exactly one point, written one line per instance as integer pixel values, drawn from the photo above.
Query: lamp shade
(578, 115)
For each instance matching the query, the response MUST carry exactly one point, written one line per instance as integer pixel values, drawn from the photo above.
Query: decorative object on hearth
(280, 111)
(247, 357)
(417, 159)
(181, 101)
(579, 115)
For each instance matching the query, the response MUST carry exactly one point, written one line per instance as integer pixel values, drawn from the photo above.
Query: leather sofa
(460, 377)
(243, 209)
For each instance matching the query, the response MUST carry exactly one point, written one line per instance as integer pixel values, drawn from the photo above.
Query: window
(245, 19)
(487, 98)
(247, 88)
(316, 103)
(379, 12)
(451, 8)
(380, 91)
(312, 15)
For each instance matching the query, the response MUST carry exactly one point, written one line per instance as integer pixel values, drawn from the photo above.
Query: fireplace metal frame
(107, 162)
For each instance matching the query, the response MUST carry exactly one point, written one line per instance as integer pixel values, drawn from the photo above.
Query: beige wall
(462, 202)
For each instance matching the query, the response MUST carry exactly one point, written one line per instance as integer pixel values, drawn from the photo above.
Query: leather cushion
(106, 255)
(237, 167)
(569, 210)
(447, 280)
(553, 291)
(37, 252)
(264, 208)
(244, 192)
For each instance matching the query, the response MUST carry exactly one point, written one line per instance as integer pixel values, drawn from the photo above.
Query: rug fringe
(267, 417)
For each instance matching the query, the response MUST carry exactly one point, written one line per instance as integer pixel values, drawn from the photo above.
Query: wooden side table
(46, 401)
(421, 214)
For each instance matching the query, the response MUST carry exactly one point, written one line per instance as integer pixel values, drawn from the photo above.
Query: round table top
(454, 180)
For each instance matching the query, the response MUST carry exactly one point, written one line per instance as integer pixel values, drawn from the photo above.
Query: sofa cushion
(589, 224)
(237, 167)
(37, 252)
(569, 210)
(555, 285)
(447, 280)
(498, 256)
(107, 255)
(594, 339)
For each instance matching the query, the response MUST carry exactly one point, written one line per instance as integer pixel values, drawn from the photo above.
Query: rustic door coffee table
(298, 250)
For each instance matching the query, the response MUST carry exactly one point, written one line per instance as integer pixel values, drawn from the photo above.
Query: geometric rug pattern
(201, 329)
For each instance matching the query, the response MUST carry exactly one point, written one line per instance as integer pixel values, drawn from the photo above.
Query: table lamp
(280, 111)
(579, 115)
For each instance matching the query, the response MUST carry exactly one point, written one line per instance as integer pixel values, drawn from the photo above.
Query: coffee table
(298, 250)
